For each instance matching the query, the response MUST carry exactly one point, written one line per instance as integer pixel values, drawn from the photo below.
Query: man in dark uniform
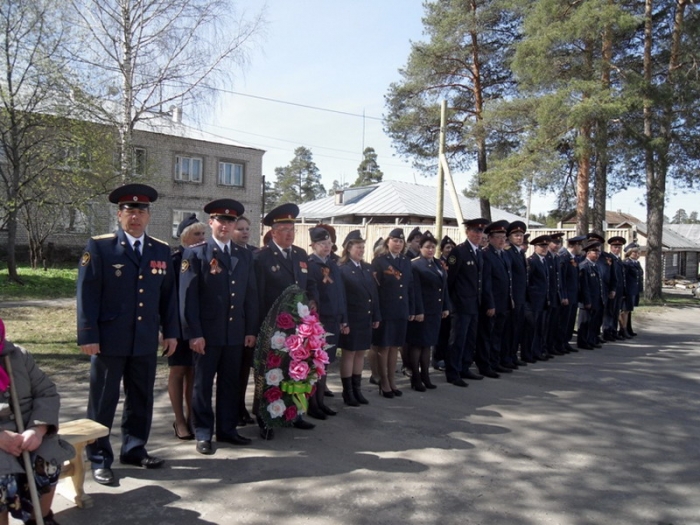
(611, 316)
(464, 277)
(557, 299)
(608, 278)
(592, 295)
(515, 327)
(126, 293)
(218, 311)
(538, 292)
(497, 297)
(279, 265)
(570, 260)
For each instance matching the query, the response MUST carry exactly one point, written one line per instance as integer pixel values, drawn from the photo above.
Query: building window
(675, 260)
(139, 162)
(178, 217)
(230, 174)
(188, 169)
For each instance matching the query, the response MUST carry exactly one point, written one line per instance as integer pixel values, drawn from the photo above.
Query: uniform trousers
(589, 326)
(498, 348)
(514, 331)
(461, 346)
(138, 374)
(224, 363)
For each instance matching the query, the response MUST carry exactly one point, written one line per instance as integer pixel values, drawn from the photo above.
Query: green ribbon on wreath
(298, 391)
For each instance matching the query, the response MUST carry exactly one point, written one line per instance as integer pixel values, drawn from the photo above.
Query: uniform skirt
(390, 333)
(182, 355)
(426, 333)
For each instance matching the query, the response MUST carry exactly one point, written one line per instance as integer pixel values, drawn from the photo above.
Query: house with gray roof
(393, 202)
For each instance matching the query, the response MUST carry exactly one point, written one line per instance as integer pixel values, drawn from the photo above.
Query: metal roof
(672, 240)
(395, 198)
(689, 231)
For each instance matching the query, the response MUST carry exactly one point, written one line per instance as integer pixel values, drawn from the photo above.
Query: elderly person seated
(39, 403)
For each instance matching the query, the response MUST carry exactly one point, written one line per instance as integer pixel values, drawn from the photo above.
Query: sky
(342, 56)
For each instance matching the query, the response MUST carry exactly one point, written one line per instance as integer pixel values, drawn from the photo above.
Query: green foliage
(53, 283)
(368, 172)
(300, 180)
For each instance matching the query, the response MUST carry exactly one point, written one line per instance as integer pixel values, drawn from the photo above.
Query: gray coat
(39, 402)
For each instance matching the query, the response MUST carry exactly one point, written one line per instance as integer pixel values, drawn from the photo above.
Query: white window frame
(229, 179)
(178, 217)
(186, 175)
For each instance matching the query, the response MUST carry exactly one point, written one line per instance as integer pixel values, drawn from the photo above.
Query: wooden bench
(78, 433)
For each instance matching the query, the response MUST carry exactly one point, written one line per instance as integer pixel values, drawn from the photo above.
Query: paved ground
(597, 437)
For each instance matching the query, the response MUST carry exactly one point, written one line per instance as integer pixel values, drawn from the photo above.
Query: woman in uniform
(432, 305)
(394, 276)
(332, 308)
(363, 316)
(634, 285)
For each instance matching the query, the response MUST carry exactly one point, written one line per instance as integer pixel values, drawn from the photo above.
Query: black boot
(425, 368)
(631, 332)
(314, 410)
(348, 395)
(357, 389)
(321, 397)
(414, 356)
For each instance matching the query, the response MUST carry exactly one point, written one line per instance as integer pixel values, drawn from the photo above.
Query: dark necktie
(137, 249)
(288, 254)
(226, 251)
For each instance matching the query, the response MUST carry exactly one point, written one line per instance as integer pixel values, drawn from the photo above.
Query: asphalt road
(610, 436)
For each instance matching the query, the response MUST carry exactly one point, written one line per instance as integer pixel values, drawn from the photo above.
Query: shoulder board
(158, 240)
(507, 247)
(198, 244)
(415, 258)
(105, 236)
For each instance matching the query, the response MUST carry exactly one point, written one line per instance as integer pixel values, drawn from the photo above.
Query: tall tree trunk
(583, 181)
(126, 126)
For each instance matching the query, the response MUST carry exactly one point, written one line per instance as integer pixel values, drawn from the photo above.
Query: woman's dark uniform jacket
(394, 278)
(362, 300)
(634, 284)
(218, 294)
(183, 354)
(432, 298)
(121, 301)
(332, 306)
(275, 274)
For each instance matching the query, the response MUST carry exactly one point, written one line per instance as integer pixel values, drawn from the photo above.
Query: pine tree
(300, 180)
(368, 172)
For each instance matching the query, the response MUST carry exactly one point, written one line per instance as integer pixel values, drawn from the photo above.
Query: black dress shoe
(204, 447)
(490, 373)
(397, 392)
(585, 347)
(145, 462)
(597, 345)
(245, 420)
(328, 393)
(459, 382)
(528, 360)
(303, 425)
(328, 411)
(316, 413)
(373, 381)
(501, 370)
(186, 437)
(510, 366)
(471, 375)
(103, 476)
(235, 439)
(521, 362)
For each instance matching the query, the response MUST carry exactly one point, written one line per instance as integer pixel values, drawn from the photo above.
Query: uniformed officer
(440, 349)
(497, 298)
(558, 299)
(464, 277)
(571, 258)
(394, 276)
(538, 295)
(592, 297)
(218, 311)
(634, 286)
(612, 311)
(413, 244)
(518, 264)
(126, 293)
(332, 308)
(608, 277)
(278, 265)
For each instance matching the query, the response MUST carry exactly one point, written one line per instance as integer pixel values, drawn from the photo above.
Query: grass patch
(671, 299)
(53, 283)
(49, 334)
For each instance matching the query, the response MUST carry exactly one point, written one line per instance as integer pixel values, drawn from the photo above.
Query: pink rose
(293, 342)
(321, 356)
(273, 360)
(285, 321)
(291, 413)
(300, 354)
(311, 319)
(272, 394)
(315, 342)
(305, 330)
(299, 370)
(319, 329)
(320, 369)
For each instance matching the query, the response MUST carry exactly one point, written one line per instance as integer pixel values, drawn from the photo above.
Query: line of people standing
(482, 302)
